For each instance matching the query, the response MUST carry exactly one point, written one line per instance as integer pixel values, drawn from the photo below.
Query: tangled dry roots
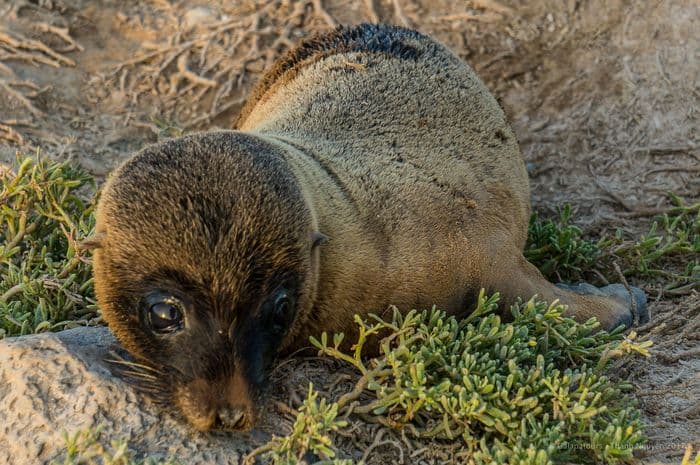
(202, 70)
(19, 47)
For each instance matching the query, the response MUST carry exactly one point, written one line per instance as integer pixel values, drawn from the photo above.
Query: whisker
(140, 366)
(144, 378)
(139, 374)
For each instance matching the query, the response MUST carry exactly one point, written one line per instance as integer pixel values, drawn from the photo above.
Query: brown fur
(376, 136)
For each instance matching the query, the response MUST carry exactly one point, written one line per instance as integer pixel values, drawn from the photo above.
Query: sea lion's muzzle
(232, 419)
(226, 405)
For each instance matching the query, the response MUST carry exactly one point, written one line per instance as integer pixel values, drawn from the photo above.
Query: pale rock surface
(51, 383)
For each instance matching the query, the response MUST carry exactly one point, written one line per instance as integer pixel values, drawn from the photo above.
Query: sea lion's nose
(233, 419)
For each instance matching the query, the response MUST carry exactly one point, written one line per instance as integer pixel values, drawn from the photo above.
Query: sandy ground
(604, 97)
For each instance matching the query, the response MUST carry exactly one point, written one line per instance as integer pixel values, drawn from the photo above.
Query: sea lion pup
(371, 167)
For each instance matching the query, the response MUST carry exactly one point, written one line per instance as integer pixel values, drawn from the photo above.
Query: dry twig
(20, 97)
(494, 6)
(63, 34)
(371, 11)
(195, 78)
(400, 16)
(46, 54)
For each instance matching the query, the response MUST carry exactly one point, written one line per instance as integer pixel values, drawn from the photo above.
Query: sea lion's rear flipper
(633, 297)
(612, 305)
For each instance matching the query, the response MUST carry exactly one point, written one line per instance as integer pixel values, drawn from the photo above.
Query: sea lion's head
(204, 266)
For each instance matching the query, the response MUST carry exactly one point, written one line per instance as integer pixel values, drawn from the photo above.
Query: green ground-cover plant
(673, 234)
(532, 390)
(562, 253)
(558, 248)
(45, 280)
(310, 434)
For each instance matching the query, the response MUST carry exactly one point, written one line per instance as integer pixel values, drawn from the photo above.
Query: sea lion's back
(389, 40)
(394, 112)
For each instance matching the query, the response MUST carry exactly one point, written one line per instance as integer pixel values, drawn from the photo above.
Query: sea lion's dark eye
(165, 317)
(283, 307)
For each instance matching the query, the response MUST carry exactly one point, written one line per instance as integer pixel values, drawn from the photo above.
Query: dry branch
(63, 34)
(318, 7)
(22, 43)
(200, 72)
(492, 5)
(371, 11)
(398, 12)
(8, 133)
(20, 97)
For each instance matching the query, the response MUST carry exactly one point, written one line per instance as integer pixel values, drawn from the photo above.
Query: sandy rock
(51, 383)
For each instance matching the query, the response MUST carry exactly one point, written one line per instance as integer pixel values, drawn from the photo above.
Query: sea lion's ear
(92, 242)
(318, 238)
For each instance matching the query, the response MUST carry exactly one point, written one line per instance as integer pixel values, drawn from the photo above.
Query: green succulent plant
(46, 210)
(531, 390)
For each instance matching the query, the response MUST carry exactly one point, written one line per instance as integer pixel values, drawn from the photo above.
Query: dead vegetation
(16, 46)
(198, 71)
(212, 52)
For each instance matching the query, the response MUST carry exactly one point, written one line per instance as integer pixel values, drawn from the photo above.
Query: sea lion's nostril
(231, 419)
